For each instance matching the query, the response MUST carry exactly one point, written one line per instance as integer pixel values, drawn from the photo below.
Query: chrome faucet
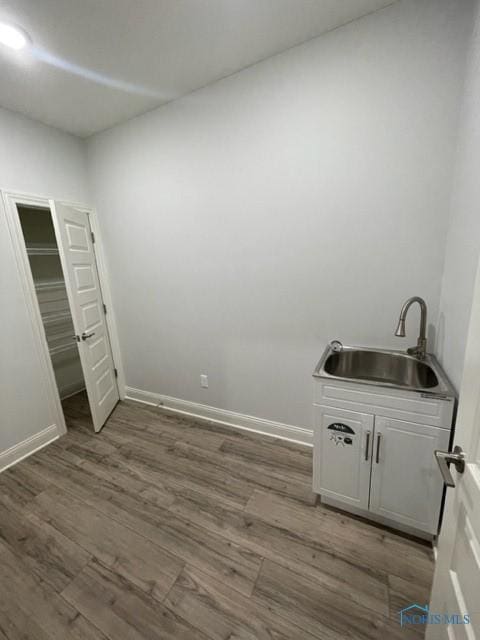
(421, 349)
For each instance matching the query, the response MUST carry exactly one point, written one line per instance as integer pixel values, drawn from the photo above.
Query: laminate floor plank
(313, 607)
(77, 433)
(404, 592)
(21, 485)
(167, 527)
(224, 559)
(33, 610)
(113, 471)
(222, 613)
(15, 624)
(50, 556)
(152, 569)
(155, 426)
(274, 455)
(168, 461)
(314, 558)
(215, 469)
(380, 548)
(77, 405)
(121, 611)
(94, 448)
(170, 481)
(293, 484)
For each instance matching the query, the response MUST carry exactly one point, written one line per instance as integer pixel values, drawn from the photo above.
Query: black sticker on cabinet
(339, 426)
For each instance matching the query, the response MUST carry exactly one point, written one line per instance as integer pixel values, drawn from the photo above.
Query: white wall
(463, 243)
(300, 200)
(42, 161)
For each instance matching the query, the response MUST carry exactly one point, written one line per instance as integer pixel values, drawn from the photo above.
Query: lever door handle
(85, 336)
(444, 458)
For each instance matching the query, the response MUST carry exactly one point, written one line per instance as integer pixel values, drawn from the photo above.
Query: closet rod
(54, 284)
(42, 251)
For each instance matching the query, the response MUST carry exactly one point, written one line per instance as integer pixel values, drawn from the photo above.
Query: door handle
(85, 336)
(377, 455)
(367, 445)
(444, 458)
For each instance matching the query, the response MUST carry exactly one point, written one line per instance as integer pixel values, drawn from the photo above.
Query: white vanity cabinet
(370, 461)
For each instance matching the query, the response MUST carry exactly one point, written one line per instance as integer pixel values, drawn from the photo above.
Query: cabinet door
(406, 484)
(342, 445)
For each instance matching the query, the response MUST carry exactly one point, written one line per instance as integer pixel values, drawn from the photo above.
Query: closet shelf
(50, 284)
(52, 318)
(32, 250)
(61, 335)
(62, 348)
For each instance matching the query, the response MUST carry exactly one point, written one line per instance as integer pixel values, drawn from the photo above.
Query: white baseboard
(23, 449)
(71, 389)
(74, 389)
(222, 416)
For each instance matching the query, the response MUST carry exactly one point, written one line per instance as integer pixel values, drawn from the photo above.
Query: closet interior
(49, 281)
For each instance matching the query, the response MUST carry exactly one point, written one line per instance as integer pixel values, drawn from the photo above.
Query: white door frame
(11, 200)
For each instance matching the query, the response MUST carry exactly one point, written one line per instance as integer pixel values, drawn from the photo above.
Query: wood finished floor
(160, 527)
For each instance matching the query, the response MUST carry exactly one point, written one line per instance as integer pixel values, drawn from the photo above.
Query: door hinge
(104, 308)
(93, 236)
(116, 373)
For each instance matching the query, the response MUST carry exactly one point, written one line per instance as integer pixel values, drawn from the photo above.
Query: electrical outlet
(204, 381)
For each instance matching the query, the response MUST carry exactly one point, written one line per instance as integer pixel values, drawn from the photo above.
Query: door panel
(456, 586)
(406, 484)
(465, 566)
(341, 457)
(83, 287)
(460, 583)
(456, 583)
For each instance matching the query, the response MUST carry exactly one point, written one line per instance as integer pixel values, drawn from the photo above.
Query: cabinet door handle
(367, 445)
(377, 455)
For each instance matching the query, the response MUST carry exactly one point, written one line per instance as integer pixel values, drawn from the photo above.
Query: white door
(406, 483)
(341, 455)
(75, 244)
(456, 585)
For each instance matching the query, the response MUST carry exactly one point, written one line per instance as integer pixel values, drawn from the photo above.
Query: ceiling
(95, 63)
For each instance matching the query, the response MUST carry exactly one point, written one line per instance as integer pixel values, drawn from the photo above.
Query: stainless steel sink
(384, 368)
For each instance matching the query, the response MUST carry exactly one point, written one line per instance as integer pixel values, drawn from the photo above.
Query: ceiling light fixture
(13, 37)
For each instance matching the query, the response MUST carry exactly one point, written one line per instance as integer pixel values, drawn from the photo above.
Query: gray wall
(463, 243)
(42, 161)
(300, 200)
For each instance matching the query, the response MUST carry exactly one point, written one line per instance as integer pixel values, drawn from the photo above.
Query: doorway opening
(59, 246)
(49, 281)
